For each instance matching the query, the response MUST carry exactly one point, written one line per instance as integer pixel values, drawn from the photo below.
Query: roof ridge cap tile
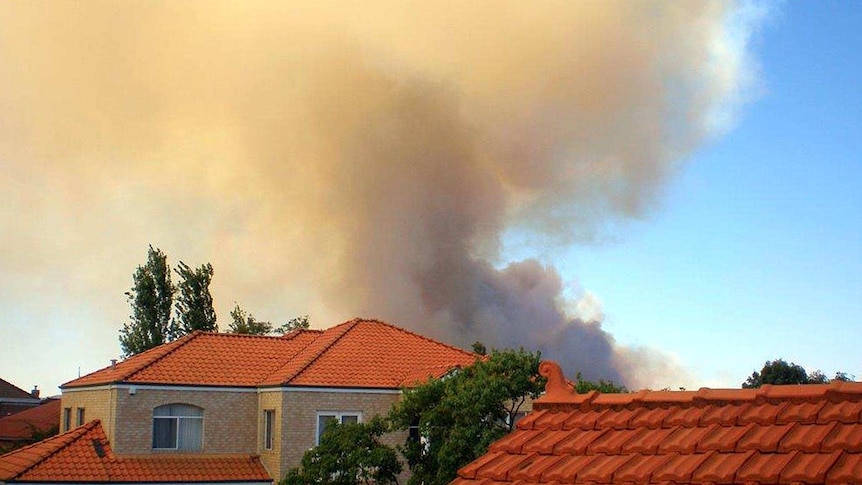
(350, 326)
(178, 343)
(410, 332)
(64, 441)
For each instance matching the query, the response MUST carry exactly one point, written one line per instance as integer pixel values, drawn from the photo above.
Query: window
(67, 419)
(326, 418)
(79, 417)
(268, 422)
(178, 427)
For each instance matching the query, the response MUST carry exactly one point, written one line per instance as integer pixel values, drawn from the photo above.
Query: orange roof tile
(84, 455)
(22, 425)
(357, 353)
(782, 435)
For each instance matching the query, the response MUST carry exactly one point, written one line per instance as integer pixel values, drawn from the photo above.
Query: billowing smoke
(350, 159)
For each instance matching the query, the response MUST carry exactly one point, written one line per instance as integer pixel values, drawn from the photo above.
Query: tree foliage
(244, 322)
(295, 323)
(348, 454)
(151, 300)
(583, 386)
(195, 303)
(459, 416)
(778, 371)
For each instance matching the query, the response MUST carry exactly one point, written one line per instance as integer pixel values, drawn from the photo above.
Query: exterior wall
(229, 418)
(270, 458)
(297, 421)
(98, 403)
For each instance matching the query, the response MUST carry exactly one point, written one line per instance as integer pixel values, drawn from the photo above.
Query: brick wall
(270, 458)
(99, 403)
(298, 418)
(229, 419)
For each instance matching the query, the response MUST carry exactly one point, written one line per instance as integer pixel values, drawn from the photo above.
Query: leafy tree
(151, 298)
(453, 420)
(348, 454)
(583, 386)
(778, 371)
(245, 323)
(295, 323)
(479, 348)
(194, 303)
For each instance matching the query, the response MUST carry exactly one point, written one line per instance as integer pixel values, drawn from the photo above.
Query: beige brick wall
(229, 419)
(298, 420)
(98, 404)
(270, 458)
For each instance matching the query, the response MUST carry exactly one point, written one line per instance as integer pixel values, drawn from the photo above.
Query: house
(258, 397)
(29, 425)
(13, 399)
(791, 434)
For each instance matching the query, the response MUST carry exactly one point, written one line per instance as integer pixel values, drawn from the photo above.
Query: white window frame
(338, 415)
(268, 429)
(177, 419)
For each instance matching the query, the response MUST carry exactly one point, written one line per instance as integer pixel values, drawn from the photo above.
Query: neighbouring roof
(22, 425)
(11, 391)
(84, 455)
(793, 434)
(358, 354)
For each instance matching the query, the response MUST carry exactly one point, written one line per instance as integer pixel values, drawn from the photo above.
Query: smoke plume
(349, 158)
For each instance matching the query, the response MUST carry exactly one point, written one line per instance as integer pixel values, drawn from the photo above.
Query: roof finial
(556, 386)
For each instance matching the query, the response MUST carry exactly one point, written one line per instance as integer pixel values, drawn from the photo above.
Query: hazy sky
(664, 194)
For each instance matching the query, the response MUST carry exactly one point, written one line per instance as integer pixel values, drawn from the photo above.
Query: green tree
(583, 386)
(245, 323)
(778, 371)
(295, 323)
(151, 298)
(453, 420)
(194, 302)
(348, 454)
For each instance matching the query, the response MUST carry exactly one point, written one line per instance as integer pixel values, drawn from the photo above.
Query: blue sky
(755, 250)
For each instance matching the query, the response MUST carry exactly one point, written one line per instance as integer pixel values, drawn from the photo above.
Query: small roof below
(808, 434)
(20, 426)
(83, 455)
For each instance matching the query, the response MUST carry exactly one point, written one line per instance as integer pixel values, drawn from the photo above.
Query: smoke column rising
(351, 159)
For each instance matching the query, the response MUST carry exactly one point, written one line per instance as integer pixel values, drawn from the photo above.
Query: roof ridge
(295, 334)
(559, 393)
(352, 324)
(72, 435)
(178, 343)
(410, 332)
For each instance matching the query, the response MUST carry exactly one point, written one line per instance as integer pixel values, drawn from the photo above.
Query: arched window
(178, 427)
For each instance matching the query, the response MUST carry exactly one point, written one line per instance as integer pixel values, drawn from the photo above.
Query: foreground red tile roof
(358, 353)
(808, 434)
(84, 455)
(20, 426)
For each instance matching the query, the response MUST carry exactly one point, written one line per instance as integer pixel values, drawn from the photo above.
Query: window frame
(177, 419)
(339, 417)
(79, 416)
(268, 429)
(67, 419)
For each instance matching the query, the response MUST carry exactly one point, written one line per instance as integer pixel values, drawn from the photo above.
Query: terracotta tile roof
(11, 391)
(808, 434)
(84, 455)
(358, 353)
(22, 425)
